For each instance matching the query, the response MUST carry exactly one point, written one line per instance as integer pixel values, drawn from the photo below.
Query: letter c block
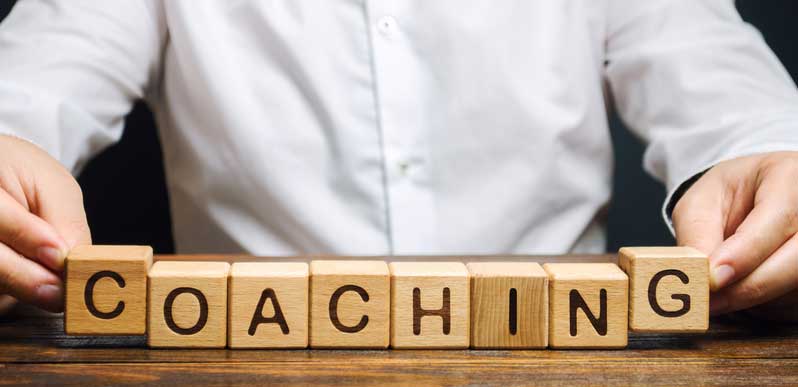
(188, 304)
(106, 290)
(669, 289)
(350, 303)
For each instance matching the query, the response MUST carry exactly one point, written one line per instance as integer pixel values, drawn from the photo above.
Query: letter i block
(430, 305)
(106, 290)
(669, 288)
(268, 305)
(350, 304)
(188, 304)
(588, 306)
(509, 305)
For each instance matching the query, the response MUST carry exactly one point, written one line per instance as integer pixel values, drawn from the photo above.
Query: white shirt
(395, 127)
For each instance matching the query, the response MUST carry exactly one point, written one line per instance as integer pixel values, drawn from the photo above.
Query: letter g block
(106, 290)
(669, 288)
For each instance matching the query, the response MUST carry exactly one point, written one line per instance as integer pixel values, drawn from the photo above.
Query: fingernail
(718, 305)
(721, 276)
(50, 297)
(50, 257)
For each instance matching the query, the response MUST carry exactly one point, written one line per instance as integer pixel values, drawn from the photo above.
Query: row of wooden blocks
(116, 290)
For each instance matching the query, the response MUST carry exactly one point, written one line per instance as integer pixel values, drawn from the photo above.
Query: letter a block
(589, 305)
(268, 305)
(350, 304)
(509, 305)
(430, 305)
(188, 304)
(106, 290)
(669, 288)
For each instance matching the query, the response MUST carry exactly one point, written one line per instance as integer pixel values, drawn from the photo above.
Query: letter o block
(188, 304)
(669, 288)
(589, 305)
(350, 304)
(430, 305)
(268, 305)
(106, 290)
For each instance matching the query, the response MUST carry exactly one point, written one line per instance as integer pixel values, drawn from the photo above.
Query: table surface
(736, 351)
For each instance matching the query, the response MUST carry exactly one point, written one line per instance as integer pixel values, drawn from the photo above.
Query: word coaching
(117, 290)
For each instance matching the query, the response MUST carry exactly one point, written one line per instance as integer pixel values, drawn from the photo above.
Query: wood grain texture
(509, 305)
(668, 288)
(350, 304)
(106, 290)
(268, 305)
(430, 305)
(187, 305)
(579, 290)
(737, 350)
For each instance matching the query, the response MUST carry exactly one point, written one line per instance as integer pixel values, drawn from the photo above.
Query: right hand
(41, 219)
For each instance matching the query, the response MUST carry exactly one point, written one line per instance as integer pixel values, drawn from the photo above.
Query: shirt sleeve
(71, 70)
(698, 84)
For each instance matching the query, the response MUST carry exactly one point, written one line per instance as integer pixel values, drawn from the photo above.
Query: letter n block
(106, 290)
(588, 307)
(430, 305)
(350, 304)
(188, 304)
(268, 305)
(509, 305)
(669, 288)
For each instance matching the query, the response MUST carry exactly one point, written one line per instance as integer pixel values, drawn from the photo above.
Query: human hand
(41, 219)
(743, 213)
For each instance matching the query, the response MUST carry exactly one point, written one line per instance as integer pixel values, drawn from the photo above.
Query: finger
(783, 309)
(775, 277)
(772, 221)
(699, 216)
(60, 203)
(29, 282)
(6, 304)
(30, 235)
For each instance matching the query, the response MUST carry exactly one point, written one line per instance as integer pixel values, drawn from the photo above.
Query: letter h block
(350, 304)
(669, 288)
(589, 305)
(106, 290)
(187, 305)
(268, 305)
(430, 305)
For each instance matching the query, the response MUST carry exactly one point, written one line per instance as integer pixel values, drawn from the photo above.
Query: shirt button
(386, 25)
(404, 168)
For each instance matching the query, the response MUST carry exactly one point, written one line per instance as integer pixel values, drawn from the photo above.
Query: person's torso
(385, 127)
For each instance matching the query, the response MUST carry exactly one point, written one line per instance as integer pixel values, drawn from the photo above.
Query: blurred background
(133, 168)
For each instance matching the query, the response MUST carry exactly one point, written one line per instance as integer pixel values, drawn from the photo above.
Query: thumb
(699, 216)
(60, 203)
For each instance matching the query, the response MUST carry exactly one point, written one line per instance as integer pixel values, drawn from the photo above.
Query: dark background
(127, 202)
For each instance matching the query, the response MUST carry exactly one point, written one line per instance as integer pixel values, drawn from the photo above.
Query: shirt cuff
(686, 182)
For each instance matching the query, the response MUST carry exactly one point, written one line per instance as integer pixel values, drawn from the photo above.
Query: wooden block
(106, 290)
(268, 305)
(350, 304)
(188, 304)
(509, 305)
(588, 305)
(669, 288)
(429, 305)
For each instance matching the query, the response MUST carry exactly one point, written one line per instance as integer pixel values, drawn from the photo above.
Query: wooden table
(736, 351)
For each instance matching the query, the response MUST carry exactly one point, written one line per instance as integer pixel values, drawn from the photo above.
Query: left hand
(743, 213)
